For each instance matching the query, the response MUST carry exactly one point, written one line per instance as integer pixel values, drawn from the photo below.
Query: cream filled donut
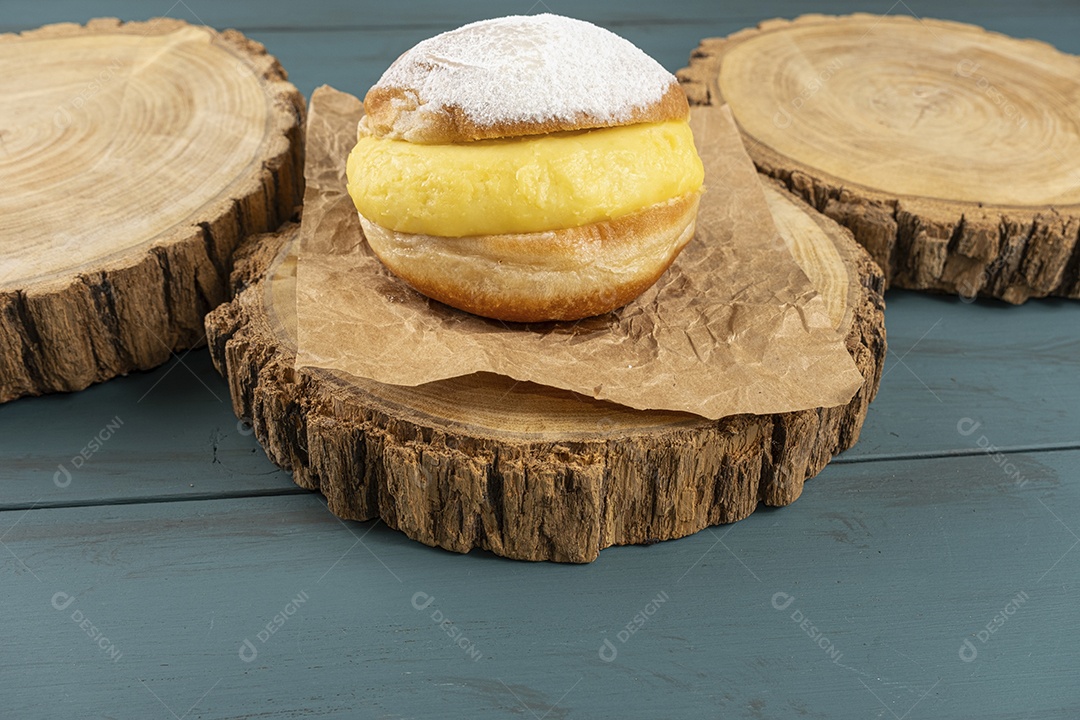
(526, 168)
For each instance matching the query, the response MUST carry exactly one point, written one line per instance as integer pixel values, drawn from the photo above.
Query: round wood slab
(523, 470)
(951, 152)
(133, 159)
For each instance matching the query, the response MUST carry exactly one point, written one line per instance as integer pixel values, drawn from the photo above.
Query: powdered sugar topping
(531, 68)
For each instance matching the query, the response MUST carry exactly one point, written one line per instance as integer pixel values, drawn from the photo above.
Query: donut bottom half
(552, 275)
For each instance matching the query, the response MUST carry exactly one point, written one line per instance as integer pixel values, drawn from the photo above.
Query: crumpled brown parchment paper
(734, 326)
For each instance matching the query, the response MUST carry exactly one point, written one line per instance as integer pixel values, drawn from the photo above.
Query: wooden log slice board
(523, 470)
(952, 153)
(133, 159)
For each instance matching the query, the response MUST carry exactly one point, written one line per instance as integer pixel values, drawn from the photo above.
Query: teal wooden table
(156, 565)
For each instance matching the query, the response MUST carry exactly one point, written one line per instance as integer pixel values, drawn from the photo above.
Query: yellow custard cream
(519, 185)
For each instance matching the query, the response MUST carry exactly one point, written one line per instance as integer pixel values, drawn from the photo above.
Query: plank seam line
(23, 506)
(964, 452)
(239, 495)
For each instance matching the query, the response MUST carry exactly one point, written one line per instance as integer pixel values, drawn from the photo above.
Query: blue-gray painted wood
(895, 564)
(348, 44)
(1042, 18)
(158, 435)
(1014, 369)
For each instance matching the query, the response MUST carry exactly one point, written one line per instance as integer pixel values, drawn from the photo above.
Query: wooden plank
(1042, 19)
(1015, 370)
(891, 566)
(338, 44)
(341, 14)
(169, 433)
